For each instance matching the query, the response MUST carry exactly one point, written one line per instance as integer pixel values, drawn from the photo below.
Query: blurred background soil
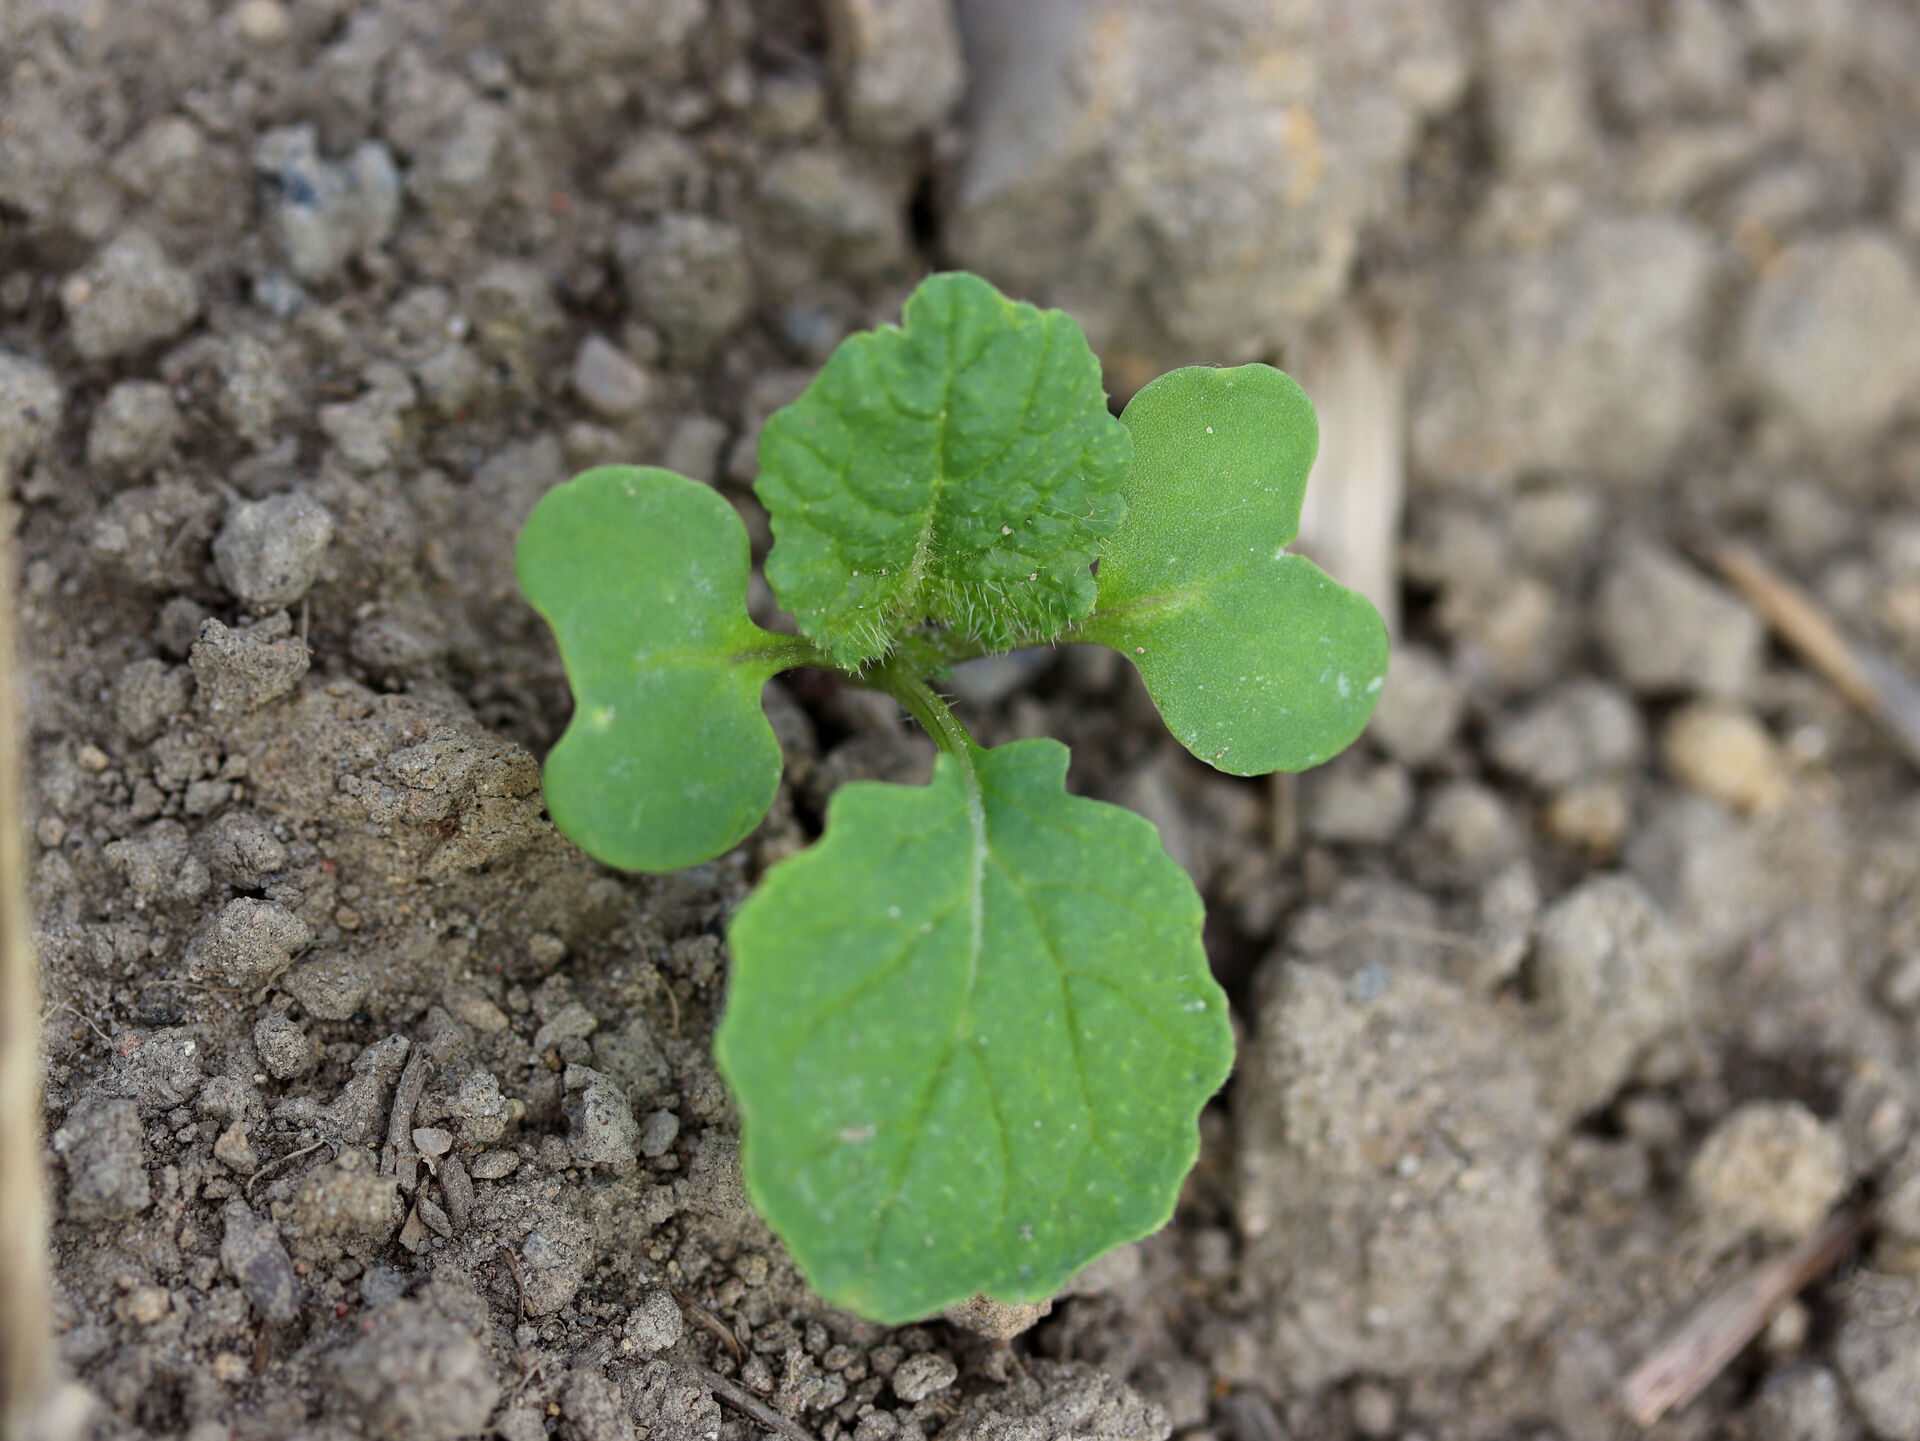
(1588, 980)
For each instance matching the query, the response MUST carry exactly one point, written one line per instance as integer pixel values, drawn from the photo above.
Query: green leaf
(960, 469)
(642, 574)
(1257, 660)
(970, 1032)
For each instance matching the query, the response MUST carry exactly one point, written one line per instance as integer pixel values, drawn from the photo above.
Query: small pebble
(656, 1323)
(129, 297)
(144, 1305)
(234, 1151)
(1771, 1168)
(1591, 815)
(658, 1133)
(261, 21)
(268, 552)
(132, 428)
(1723, 752)
(494, 1165)
(608, 381)
(919, 1377)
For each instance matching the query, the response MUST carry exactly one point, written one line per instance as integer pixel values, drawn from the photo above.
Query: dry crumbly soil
(1587, 979)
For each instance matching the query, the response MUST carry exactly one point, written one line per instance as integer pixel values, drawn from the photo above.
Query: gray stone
(818, 198)
(285, 1048)
(268, 552)
(152, 536)
(247, 944)
(1610, 977)
(632, 1056)
(160, 1070)
(924, 1375)
(513, 311)
(1257, 143)
(128, 298)
(655, 171)
(1767, 1169)
(1704, 867)
(655, 1323)
(365, 433)
(658, 1132)
(687, 276)
(1420, 707)
(898, 64)
(1878, 1351)
(322, 214)
(601, 1127)
(158, 865)
(1803, 1403)
(695, 447)
(417, 1369)
(671, 1403)
(569, 1022)
(480, 1110)
(997, 1320)
(330, 987)
(1832, 337)
(1056, 1401)
(132, 429)
(1391, 1175)
(648, 37)
(102, 1147)
(148, 694)
(554, 1256)
(345, 1208)
(1620, 304)
(591, 1407)
(1470, 830)
(1352, 802)
(254, 395)
(242, 850)
(251, 1253)
(495, 1165)
(31, 403)
(610, 383)
(1667, 629)
(358, 1115)
(1581, 729)
(239, 671)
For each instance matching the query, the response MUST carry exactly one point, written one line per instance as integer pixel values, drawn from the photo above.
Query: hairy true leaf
(1257, 660)
(970, 1032)
(960, 468)
(642, 574)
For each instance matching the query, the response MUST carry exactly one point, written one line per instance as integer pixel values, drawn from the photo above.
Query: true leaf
(642, 574)
(1257, 660)
(970, 1032)
(960, 468)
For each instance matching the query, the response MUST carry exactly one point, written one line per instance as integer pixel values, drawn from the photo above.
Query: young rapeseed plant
(970, 1030)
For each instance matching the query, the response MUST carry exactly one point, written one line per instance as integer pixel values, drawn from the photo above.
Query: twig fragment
(708, 1322)
(750, 1405)
(277, 1162)
(402, 1160)
(1866, 678)
(1685, 1363)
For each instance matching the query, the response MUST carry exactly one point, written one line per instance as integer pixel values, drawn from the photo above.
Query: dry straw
(23, 1236)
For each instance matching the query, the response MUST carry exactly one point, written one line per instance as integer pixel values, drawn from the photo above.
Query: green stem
(786, 652)
(925, 705)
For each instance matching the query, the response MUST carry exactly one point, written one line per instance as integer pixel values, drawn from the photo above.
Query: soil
(1588, 979)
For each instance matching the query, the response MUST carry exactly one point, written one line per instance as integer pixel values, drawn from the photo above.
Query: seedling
(970, 1030)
